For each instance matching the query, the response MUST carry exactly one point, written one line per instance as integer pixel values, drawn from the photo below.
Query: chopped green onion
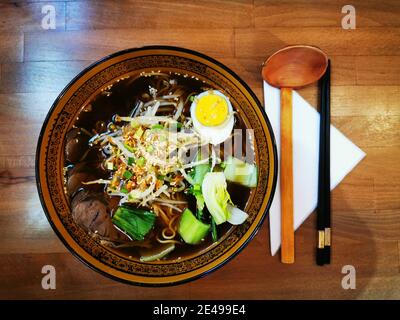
(124, 190)
(140, 162)
(128, 174)
(214, 230)
(191, 98)
(138, 134)
(128, 147)
(160, 177)
(131, 161)
(196, 187)
(150, 149)
(157, 127)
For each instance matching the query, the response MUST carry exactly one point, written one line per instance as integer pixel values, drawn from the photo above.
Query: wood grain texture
(94, 44)
(383, 70)
(286, 177)
(27, 16)
(28, 229)
(377, 100)
(40, 76)
(11, 46)
(366, 100)
(334, 41)
(372, 131)
(158, 14)
(29, 112)
(35, 65)
(317, 13)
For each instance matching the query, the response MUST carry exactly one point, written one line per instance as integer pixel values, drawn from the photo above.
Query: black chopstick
(324, 202)
(328, 235)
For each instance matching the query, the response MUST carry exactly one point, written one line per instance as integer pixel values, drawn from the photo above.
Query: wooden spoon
(290, 68)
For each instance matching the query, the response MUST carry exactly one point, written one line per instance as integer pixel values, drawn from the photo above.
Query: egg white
(214, 134)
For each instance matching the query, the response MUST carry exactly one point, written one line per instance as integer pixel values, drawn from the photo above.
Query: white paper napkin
(344, 157)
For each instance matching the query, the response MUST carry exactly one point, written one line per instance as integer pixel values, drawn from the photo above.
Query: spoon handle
(286, 178)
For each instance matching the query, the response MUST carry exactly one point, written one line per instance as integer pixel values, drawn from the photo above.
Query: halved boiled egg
(212, 116)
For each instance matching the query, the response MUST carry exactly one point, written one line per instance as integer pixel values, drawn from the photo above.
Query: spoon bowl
(295, 67)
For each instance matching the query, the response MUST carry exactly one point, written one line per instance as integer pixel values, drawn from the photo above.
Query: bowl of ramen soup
(156, 165)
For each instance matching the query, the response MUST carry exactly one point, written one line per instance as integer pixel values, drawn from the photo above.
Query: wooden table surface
(35, 64)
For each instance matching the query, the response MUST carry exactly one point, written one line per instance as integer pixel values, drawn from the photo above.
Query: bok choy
(136, 222)
(241, 172)
(198, 176)
(216, 196)
(191, 229)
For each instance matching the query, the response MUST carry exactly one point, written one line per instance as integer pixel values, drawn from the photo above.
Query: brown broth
(120, 99)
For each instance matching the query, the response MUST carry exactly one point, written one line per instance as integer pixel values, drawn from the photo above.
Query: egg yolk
(211, 110)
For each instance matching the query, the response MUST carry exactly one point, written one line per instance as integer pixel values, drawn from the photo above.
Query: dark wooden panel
(295, 280)
(344, 198)
(21, 118)
(159, 14)
(253, 278)
(334, 41)
(384, 223)
(24, 226)
(317, 13)
(343, 70)
(91, 45)
(39, 1)
(27, 16)
(370, 131)
(387, 190)
(365, 100)
(348, 100)
(375, 184)
(383, 70)
(11, 47)
(73, 280)
(39, 76)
